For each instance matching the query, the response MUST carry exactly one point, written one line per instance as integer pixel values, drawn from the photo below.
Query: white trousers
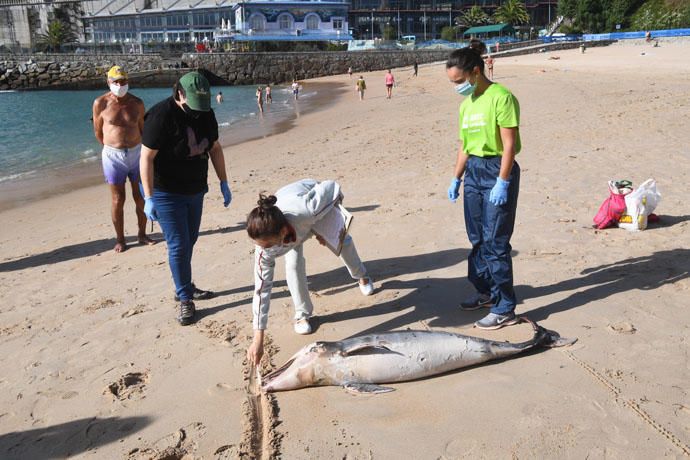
(296, 274)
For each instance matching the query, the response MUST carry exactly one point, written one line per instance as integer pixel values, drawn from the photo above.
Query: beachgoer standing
(118, 121)
(489, 131)
(490, 65)
(295, 89)
(361, 86)
(219, 97)
(279, 226)
(415, 67)
(390, 81)
(180, 135)
(260, 98)
(269, 98)
(349, 71)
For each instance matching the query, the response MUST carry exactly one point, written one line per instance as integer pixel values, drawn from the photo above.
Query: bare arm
(218, 160)
(140, 120)
(460, 163)
(508, 136)
(98, 120)
(146, 169)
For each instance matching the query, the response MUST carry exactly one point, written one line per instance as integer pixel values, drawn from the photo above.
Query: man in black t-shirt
(180, 135)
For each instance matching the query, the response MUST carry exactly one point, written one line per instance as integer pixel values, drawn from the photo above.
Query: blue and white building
(140, 22)
(290, 21)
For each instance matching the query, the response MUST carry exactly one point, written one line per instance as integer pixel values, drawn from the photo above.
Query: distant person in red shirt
(390, 81)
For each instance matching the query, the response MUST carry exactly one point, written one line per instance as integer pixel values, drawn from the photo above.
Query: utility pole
(424, 20)
(372, 24)
(398, 23)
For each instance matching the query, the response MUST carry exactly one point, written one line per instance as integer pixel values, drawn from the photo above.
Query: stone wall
(252, 68)
(147, 70)
(69, 70)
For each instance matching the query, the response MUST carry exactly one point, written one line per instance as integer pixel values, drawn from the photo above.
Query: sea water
(41, 130)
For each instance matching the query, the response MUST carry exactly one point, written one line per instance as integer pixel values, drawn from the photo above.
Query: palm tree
(511, 12)
(475, 16)
(56, 35)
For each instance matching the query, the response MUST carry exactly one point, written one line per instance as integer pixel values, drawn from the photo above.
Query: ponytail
(266, 219)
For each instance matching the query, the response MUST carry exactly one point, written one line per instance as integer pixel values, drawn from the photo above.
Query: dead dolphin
(360, 363)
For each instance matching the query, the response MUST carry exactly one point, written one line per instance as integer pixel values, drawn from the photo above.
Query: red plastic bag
(613, 207)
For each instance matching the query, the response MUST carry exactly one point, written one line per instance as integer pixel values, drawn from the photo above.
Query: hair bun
(267, 202)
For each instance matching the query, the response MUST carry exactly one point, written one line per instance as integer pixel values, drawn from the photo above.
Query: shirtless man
(118, 121)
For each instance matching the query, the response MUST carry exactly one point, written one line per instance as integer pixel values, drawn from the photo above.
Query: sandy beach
(95, 365)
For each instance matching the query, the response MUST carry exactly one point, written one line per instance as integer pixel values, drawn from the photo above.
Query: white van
(409, 38)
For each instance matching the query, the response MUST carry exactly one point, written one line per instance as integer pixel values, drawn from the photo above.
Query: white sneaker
(302, 326)
(367, 289)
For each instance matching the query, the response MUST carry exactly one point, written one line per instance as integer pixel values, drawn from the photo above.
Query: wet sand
(95, 365)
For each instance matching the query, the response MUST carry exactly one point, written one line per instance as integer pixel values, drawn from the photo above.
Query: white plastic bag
(639, 204)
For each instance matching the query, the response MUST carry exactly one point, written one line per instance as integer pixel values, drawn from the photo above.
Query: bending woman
(279, 226)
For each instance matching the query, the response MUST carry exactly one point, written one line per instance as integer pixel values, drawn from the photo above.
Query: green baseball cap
(197, 91)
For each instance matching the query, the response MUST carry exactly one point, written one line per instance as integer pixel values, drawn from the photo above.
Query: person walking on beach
(118, 121)
(361, 86)
(390, 81)
(280, 225)
(490, 65)
(295, 89)
(269, 98)
(219, 97)
(489, 131)
(180, 135)
(260, 98)
(415, 67)
(349, 72)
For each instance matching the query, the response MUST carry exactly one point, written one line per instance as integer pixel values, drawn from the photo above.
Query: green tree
(448, 33)
(567, 8)
(389, 32)
(56, 35)
(475, 16)
(512, 12)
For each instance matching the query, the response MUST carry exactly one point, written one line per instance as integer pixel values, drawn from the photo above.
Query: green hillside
(597, 16)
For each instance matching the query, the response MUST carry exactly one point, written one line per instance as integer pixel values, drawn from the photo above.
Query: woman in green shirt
(490, 136)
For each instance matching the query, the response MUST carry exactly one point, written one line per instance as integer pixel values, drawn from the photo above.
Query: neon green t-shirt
(481, 117)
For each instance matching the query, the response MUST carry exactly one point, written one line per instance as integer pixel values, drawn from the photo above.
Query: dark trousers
(180, 218)
(489, 229)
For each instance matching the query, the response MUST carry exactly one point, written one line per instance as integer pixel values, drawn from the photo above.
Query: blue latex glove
(499, 194)
(150, 209)
(454, 189)
(225, 190)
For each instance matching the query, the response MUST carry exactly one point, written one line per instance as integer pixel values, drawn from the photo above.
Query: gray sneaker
(476, 302)
(494, 321)
(187, 312)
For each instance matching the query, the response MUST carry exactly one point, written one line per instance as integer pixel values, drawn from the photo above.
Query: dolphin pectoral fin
(366, 388)
(365, 349)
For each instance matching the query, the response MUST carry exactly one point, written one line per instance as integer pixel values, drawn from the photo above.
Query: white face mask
(118, 90)
(465, 89)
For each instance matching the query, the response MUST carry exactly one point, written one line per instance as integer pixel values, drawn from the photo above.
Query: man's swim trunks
(119, 164)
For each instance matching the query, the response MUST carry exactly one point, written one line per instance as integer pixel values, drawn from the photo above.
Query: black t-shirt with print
(183, 144)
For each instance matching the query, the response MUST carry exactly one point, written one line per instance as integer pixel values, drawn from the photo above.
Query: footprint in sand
(129, 386)
(182, 444)
(226, 332)
(622, 328)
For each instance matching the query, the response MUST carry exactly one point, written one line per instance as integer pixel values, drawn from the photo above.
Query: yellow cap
(117, 73)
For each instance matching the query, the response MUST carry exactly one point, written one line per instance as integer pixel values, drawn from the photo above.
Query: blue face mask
(465, 89)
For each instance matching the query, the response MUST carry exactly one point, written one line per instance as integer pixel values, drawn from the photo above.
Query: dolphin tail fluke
(546, 337)
(366, 388)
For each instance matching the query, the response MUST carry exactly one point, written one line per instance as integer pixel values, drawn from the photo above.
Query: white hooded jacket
(303, 203)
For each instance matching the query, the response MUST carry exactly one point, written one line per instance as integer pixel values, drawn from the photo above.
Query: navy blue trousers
(180, 218)
(489, 229)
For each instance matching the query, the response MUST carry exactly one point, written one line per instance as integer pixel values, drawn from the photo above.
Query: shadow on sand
(68, 439)
(92, 248)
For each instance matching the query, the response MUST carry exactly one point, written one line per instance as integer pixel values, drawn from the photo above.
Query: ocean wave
(17, 176)
(8, 91)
